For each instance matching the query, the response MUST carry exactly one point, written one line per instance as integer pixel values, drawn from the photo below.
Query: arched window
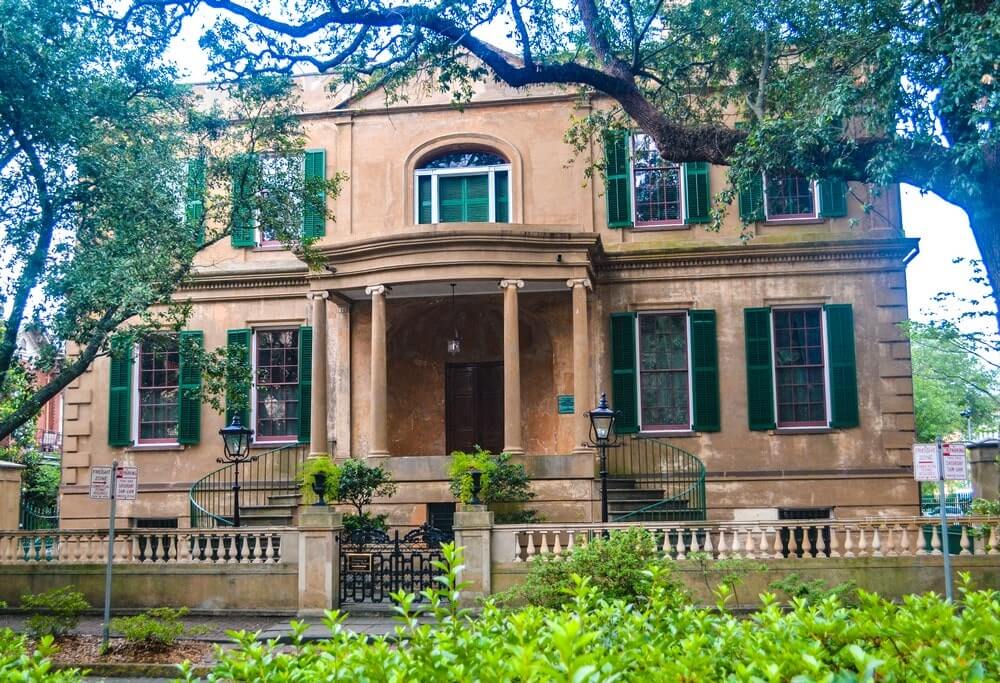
(463, 186)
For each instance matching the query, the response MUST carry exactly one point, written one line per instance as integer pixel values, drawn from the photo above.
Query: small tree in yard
(357, 483)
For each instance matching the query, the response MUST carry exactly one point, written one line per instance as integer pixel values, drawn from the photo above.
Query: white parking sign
(100, 483)
(128, 483)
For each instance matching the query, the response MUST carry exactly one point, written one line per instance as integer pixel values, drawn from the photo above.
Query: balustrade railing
(820, 539)
(650, 464)
(247, 545)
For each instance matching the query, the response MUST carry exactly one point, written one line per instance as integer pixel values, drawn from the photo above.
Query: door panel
(474, 406)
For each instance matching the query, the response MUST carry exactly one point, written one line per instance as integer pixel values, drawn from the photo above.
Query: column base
(512, 451)
(378, 454)
(585, 450)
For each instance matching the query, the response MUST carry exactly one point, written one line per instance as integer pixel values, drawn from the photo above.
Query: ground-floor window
(800, 367)
(158, 390)
(276, 368)
(664, 373)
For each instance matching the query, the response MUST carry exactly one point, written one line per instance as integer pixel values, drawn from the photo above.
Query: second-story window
(789, 196)
(656, 185)
(468, 186)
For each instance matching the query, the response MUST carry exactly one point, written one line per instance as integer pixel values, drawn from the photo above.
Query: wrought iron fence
(34, 518)
(375, 564)
(959, 502)
(273, 473)
(650, 464)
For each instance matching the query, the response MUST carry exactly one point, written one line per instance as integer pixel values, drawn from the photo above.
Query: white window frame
(258, 237)
(253, 386)
(436, 173)
(791, 218)
(681, 221)
(136, 405)
(638, 371)
(826, 368)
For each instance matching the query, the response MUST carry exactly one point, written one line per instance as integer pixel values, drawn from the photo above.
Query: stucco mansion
(479, 289)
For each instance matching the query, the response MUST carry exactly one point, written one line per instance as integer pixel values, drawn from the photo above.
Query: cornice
(899, 249)
(245, 279)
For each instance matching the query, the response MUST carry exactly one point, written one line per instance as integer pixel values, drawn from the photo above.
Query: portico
(524, 324)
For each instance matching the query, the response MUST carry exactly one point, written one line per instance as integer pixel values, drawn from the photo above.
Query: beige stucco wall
(10, 494)
(558, 232)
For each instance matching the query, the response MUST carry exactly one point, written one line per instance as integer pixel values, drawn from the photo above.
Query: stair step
(624, 506)
(634, 494)
(285, 499)
(275, 509)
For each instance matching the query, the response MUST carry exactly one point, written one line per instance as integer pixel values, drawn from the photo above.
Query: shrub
(57, 613)
(591, 638)
(816, 590)
(729, 573)
(617, 566)
(365, 522)
(353, 482)
(319, 467)
(155, 629)
(502, 487)
(19, 662)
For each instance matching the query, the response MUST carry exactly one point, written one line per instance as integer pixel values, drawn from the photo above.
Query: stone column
(583, 367)
(318, 435)
(473, 532)
(511, 369)
(378, 441)
(10, 495)
(319, 559)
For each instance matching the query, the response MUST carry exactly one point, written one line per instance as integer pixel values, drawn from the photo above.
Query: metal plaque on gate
(359, 562)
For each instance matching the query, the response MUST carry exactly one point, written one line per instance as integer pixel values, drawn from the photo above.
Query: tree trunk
(984, 219)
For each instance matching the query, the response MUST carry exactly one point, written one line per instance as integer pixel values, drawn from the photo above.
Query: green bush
(504, 485)
(19, 662)
(816, 590)
(591, 638)
(365, 522)
(353, 481)
(155, 629)
(57, 611)
(617, 566)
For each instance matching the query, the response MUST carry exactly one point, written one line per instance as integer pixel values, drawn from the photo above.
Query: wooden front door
(473, 394)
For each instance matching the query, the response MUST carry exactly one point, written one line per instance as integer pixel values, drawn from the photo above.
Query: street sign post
(925, 463)
(112, 483)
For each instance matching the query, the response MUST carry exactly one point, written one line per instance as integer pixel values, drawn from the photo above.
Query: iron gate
(373, 564)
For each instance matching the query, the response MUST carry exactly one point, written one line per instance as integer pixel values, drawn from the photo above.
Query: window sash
(657, 166)
(786, 372)
(662, 373)
(156, 382)
(283, 391)
(771, 215)
(436, 173)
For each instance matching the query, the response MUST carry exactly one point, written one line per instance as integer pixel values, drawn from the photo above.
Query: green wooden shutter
(194, 211)
(451, 199)
(424, 209)
(705, 372)
(752, 201)
(246, 177)
(313, 218)
(501, 211)
(843, 368)
(760, 376)
(618, 179)
(305, 383)
(624, 374)
(832, 197)
(189, 400)
(120, 395)
(237, 392)
(477, 198)
(697, 194)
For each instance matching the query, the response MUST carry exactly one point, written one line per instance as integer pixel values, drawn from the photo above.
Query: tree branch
(522, 30)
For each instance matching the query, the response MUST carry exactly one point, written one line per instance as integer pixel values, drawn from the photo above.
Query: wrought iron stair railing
(273, 473)
(650, 466)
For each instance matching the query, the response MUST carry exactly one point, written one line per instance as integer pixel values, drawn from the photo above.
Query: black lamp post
(602, 437)
(236, 441)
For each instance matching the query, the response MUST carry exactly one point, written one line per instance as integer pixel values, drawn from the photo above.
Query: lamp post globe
(602, 430)
(236, 445)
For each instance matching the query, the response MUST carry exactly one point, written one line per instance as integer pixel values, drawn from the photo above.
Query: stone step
(635, 494)
(279, 509)
(623, 506)
(285, 499)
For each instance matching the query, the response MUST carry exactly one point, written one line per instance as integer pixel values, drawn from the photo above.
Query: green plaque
(566, 404)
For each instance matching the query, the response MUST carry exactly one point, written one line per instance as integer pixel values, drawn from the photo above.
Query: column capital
(504, 284)
(375, 290)
(322, 294)
(579, 282)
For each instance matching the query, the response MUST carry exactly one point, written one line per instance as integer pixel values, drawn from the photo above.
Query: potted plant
(320, 476)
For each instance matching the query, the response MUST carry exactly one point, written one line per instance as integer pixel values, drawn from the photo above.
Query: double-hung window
(789, 196)
(657, 186)
(157, 390)
(664, 372)
(276, 390)
(801, 369)
(463, 187)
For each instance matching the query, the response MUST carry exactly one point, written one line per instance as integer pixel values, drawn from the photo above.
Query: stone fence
(297, 569)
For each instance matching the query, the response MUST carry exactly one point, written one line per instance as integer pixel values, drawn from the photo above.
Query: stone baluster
(848, 542)
(707, 544)
(681, 544)
(862, 542)
(544, 549)
(994, 539)
(890, 543)
(748, 545)
(876, 542)
(964, 541)
(935, 541)
(531, 544)
(834, 542)
(517, 546)
(904, 540)
(722, 543)
(557, 543)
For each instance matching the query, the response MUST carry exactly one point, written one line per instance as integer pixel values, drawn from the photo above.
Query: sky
(943, 229)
